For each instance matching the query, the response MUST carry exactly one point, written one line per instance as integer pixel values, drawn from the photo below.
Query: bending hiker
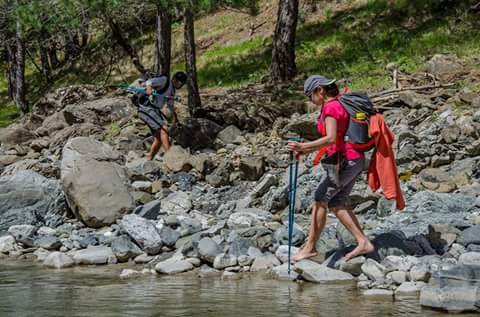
(343, 165)
(157, 108)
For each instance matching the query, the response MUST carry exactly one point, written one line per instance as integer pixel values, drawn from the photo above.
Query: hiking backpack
(155, 77)
(359, 108)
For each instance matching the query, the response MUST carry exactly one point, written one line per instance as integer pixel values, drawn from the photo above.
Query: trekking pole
(292, 193)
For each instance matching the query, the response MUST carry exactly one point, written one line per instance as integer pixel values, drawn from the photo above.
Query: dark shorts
(339, 196)
(154, 119)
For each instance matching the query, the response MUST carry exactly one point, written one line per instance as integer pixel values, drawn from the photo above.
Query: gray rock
(7, 244)
(195, 133)
(374, 270)
(455, 289)
(303, 126)
(58, 260)
(252, 168)
(398, 277)
(144, 186)
(282, 253)
(441, 64)
(30, 198)
(94, 184)
(281, 273)
(23, 234)
(142, 169)
(229, 134)
(208, 249)
(169, 236)
(94, 255)
(173, 266)
(177, 203)
(352, 266)
(245, 260)
(419, 273)
(150, 210)
(314, 272)
(264, 262)
(41, 254)
(428, 207)
(298, 237)
(177, 159)
(264, 185)
(48, 243)
(469, 258)
(143, 232)
(248, 218)
(124, 249)
(223, 261)
(407, 289)
(470, 236)
(143, 258)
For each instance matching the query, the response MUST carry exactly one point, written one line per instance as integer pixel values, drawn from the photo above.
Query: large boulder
(94, 183)
(195, 133)
(30, 198)
(143, 232)
(456, 289)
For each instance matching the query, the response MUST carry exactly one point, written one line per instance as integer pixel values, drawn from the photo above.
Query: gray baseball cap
(315, 81)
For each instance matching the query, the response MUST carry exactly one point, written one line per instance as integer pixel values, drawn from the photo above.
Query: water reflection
(27, 289)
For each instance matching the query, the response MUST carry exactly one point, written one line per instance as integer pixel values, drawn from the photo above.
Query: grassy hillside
(352, 39)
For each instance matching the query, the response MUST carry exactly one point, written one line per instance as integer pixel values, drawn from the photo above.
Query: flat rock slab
(94, 255)
(58, 260)
(317, 273)
(174, 266)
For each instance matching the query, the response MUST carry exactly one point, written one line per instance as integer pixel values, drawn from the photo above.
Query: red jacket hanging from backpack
(382, 171)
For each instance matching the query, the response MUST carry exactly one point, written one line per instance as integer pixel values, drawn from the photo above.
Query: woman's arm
(307, 147)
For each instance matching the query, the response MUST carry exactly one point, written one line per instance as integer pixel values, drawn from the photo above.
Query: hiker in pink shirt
(342, 163)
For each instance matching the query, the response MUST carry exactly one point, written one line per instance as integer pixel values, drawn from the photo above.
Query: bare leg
(350, 221)
(165, 140)
(319, 217)
(157, 142)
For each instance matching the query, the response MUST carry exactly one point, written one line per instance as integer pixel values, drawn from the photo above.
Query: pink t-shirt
(335, 110)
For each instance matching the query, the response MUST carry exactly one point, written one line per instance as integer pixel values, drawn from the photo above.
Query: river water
(27, 289)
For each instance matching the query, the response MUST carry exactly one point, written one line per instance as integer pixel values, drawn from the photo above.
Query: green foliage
(8, 113)
(356, 44)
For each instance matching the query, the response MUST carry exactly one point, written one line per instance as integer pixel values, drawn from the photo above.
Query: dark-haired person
(334, 190)
(157, 108)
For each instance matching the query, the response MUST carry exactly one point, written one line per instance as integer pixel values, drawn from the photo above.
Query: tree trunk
(283, 56)
(163, 41)
(11, 72)
(20, 88)
(45, 64)
(52, 55)
(118, 36)
(194, 101)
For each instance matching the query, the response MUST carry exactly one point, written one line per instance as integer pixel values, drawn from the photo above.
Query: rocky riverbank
(76, 190)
